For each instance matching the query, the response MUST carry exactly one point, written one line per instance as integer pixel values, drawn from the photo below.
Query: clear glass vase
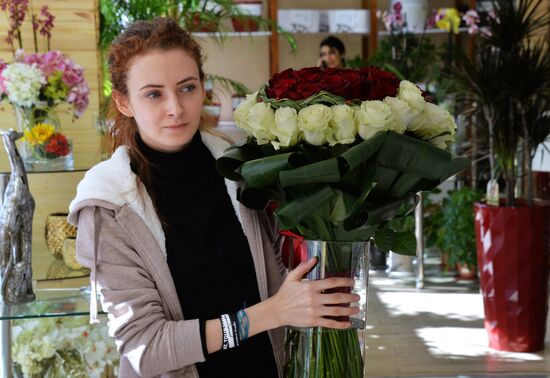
(43, 147)
(322, 352)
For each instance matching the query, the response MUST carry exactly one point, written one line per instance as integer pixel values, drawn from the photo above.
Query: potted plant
(457, 214)
(507, 81)
(403, 53)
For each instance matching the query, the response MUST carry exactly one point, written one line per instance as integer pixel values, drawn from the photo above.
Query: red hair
(140, 38)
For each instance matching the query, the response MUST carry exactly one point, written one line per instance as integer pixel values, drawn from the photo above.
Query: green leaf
(320, 172)
(404, 184)
(387, 211)
(358, 154)
(343, 206)
(404, 243)
(265, 171)
(293, 212)
(456, 165)
(384, 178)
(384, 239)
(362, 233)
(233, 158)
(414, 156)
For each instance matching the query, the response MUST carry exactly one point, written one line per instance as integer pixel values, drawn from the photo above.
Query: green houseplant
(456, 233)
(507, 85)
(210, 16)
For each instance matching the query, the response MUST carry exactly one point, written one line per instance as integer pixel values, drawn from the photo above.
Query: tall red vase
(513, 246)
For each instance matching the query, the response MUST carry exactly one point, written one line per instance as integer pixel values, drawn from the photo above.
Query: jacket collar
(113, 181)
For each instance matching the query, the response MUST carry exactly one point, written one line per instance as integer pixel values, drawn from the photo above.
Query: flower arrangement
(44, 80)
(339, 154)
(35, 84)
(338, 106)
(62, 347)
(46, 142)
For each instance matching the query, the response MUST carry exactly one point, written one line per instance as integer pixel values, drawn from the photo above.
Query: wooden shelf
(427, 31)
(232, 34)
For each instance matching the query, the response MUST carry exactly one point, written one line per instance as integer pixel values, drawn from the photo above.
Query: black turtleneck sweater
(208, 254)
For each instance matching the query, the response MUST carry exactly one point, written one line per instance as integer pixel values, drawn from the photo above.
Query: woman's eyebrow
(189, 78)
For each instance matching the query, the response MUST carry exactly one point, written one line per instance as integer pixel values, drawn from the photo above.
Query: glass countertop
(50, 302)
(76, 168)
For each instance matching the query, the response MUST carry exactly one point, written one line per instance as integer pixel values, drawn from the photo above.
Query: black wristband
(230, 331)
(202, 331)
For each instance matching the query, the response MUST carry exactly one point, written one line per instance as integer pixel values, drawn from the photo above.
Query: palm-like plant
(508, 80)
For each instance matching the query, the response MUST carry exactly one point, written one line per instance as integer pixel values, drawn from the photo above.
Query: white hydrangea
(81, 350)
(22, 83)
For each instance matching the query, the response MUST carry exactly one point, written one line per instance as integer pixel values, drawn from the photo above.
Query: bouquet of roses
(342, 153)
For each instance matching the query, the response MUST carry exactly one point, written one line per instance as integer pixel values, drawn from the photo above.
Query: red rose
(281, 89)
(308, 89)
(377, 84)
(335, 82)
(354, 79)
(280, 84)
(57, 145)
(309, 74)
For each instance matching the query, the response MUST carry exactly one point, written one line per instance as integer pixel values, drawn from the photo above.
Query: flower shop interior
(456, 285)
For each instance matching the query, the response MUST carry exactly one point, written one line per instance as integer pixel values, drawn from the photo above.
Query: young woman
(332, 53)
(191, 280)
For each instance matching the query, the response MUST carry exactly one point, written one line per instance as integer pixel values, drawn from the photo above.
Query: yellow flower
(39, 133)
(448, 19)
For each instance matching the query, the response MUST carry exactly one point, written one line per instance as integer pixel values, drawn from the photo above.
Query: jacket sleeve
(152, 344)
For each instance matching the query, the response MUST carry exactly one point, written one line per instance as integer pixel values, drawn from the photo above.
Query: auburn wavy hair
(140, 38)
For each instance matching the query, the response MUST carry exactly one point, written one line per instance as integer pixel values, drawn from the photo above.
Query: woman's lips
(176, 127)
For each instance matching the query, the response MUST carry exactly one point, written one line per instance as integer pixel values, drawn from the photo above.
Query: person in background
(332, 53)
(192, 282)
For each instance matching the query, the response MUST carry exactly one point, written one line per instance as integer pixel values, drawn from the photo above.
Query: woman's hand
(302, 303)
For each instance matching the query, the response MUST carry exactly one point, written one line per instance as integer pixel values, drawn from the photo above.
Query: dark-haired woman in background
(332, 53)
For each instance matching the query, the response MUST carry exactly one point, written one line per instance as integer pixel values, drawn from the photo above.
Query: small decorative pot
(69, 253)
(57, 230)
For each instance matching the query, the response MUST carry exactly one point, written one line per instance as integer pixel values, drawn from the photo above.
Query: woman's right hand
(303, 304)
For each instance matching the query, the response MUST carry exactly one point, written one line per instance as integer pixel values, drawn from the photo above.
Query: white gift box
(252, 9)
(299, 20)
(348, 21)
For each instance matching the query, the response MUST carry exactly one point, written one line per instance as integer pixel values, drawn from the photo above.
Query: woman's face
(164, 97)
(331, 57)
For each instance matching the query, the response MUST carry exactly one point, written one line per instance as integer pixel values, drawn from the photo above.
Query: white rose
(412, 95)
(240, 114)
(260, 122)
(343, 125)
(402, 112)
(286, 127)
(314, 121)
(435, 125)
(373, 117)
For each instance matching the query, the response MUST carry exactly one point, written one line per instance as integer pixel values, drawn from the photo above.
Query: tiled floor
(436, 332)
